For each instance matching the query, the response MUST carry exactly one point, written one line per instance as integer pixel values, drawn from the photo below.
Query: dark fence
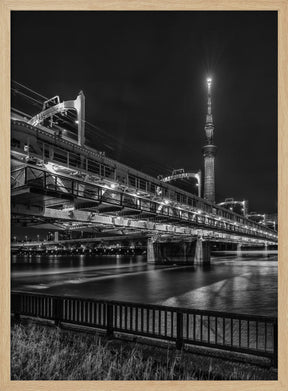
(250, 334)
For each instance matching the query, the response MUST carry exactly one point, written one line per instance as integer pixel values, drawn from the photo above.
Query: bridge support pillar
(170, 252)
(193, 252)
(239, 250)
(151, 251)
(266, 250)
(202, 252)
(56, 236)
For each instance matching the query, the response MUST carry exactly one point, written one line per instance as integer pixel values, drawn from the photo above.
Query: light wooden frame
(9, 5)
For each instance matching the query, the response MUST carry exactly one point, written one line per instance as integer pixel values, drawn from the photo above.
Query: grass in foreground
(43, 353)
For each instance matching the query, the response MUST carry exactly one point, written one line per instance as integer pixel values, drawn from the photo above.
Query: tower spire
(209, 126)
(209, 150)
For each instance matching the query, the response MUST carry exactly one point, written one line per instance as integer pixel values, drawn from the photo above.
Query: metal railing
(256, 335)
(42, 180)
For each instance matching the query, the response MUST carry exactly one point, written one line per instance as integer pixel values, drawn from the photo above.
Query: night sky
(144, 78)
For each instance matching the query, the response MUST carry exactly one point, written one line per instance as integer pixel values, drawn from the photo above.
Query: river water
(241, 285)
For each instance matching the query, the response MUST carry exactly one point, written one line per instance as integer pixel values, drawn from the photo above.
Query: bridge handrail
(153, 204)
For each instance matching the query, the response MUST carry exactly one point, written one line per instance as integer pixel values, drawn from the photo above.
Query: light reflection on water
(243, 285)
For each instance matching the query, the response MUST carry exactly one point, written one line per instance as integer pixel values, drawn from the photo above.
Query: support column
(202, 252)
(206, 252)
(185, 252)
(266, 254)
(239, 251)
(170, 252)
(198, 258)
(56, 236)
(151, 253)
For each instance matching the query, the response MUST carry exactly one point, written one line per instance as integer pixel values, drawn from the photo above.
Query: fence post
(179, 336)
(16, 306)
(275, 339)
(58, 310)
(110, 319)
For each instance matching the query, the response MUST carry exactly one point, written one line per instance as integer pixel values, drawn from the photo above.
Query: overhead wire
(29, 89)
(27, 96)
(101, 133)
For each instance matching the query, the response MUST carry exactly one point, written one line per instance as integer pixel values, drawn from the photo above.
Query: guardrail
(256, 335)
(59, 185)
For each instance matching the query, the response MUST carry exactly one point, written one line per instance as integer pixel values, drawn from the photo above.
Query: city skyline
(161, 85)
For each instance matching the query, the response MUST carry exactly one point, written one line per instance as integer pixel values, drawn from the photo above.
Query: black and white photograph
(144, 210)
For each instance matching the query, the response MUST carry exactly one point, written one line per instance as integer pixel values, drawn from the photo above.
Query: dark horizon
(144, 78)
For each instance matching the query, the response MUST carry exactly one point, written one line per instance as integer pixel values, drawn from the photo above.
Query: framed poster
(139, 141)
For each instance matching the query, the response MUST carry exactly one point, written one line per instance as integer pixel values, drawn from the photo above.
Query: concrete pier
(239, 250)
(195, 251)
(202, 252)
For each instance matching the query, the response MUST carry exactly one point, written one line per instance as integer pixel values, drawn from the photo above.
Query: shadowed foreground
(44, 353)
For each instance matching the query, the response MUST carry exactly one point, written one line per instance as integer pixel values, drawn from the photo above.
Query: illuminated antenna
(209, 150)
(209, 126)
